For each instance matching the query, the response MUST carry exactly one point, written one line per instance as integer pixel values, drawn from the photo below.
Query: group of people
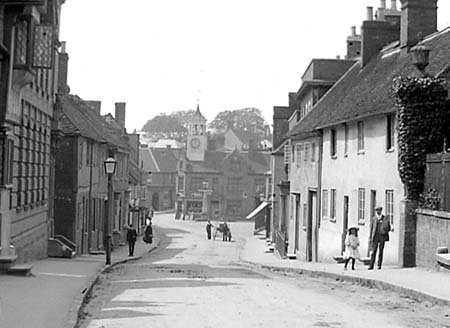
(378, 236)
(224, 228)
(132, 235)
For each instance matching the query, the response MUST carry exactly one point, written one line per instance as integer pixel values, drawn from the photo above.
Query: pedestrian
(228, 233)
(148, 234)
(351, 247)
(131, 239)
(209, 227)
(379, 234)
(224, 231)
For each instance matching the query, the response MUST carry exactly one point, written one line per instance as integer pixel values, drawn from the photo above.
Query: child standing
(351, 247)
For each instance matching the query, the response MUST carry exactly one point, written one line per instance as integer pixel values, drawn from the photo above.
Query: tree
(246, 119)
(172, 126)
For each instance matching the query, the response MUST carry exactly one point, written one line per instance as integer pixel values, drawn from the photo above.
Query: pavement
(421, 284)
(53, 296)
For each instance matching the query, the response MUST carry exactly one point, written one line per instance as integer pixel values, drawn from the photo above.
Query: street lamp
(110, 167)
(421, 55)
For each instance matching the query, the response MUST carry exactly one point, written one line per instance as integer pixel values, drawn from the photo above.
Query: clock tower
(196, 138)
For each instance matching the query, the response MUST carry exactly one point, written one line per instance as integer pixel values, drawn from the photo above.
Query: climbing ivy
(423, 121)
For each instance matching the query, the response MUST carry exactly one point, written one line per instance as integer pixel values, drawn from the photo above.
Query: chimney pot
(394, 5)
(63, 47)
(369, 13)
(353, 30)
(383, 4)
(381, 14)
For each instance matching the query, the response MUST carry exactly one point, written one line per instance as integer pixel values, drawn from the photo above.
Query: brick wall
(433, 230)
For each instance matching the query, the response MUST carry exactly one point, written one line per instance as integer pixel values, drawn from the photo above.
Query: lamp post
(110, 167)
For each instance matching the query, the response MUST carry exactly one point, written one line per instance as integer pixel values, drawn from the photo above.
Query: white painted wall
(375, 168)
(303, 175)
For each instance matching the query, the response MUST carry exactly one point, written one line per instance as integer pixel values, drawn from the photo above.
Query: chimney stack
(418, 16)
(120, 114)
(369, 13)
(383, 4)
(63, 68)
(375, 34)
(96, 105)
(353, 44)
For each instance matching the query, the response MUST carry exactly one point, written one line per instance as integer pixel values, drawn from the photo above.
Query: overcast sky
(162, 55)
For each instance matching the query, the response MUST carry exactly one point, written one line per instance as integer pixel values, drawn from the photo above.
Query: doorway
(297, 223)
(312, 201)
(344, 223)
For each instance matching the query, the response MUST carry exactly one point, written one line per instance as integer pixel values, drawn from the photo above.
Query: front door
(312, 201)
(297, 222)
(344, 224)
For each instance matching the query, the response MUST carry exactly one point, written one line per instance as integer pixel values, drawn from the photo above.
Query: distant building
(161, 166)
(217, 184)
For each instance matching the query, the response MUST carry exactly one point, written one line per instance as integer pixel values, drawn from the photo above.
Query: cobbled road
(190, 281)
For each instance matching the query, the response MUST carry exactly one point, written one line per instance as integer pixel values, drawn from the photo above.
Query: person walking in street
(351, 247)
(148, 233)
(131, 239)
(379, 234)
(209, 227)
(224, 231)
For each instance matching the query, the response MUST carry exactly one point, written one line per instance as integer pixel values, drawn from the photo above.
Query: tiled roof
(148, 163)
(367, 91)
(77, 117)
(165, 159)
(213, 163)
(158, 159)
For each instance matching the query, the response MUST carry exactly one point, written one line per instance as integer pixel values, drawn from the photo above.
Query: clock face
(195, 143)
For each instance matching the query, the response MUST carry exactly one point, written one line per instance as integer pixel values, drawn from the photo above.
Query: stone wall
(433, 230)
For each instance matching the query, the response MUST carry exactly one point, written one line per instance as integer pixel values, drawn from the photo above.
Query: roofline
(280, 146)
(154, 159)
(357, 118)
(323, 60)
(309, 83)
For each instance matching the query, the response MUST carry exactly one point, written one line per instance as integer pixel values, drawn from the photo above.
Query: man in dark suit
(131, 238)
(379, 234)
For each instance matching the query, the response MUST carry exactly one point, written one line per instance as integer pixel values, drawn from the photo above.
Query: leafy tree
(173, 126)
(246, 119)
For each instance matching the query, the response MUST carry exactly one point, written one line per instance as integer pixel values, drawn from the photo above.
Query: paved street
(192, 282)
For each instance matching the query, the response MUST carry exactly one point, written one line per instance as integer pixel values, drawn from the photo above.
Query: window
(298, 153)
(361, 204)
(306, 152)
(390, 206)
(234, 184)
(360, 136)
(313, 152)
(333, 205)
(215, 183)
(333, 143)
(234, 207)
(287, 154)
(389, 132)
(197, 183)
(180, 183)
(345, 139)
(324, 203)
